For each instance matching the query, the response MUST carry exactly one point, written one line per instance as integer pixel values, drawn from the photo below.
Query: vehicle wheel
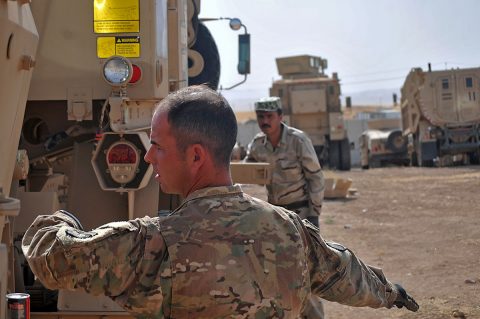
(374, 163)
(396, 142)
(423, 163)
(206, 47)
(322, 155)
(334, 155)
(418, 151)
(345, 163)
(474, 157)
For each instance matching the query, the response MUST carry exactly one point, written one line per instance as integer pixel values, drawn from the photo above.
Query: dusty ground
(421, 226)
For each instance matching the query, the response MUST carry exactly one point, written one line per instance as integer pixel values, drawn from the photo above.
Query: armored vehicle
(311, 103)
(441, 115)
(82, 126)
(381, 147)
(18, 47)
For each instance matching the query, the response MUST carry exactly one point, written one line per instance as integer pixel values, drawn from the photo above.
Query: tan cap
(268, 104)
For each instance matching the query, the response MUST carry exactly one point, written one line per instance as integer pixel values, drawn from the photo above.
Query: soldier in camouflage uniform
(221, 254)
(297, 180)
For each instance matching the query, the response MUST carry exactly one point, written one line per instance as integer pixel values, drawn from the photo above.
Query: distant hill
(243, 100)
(381, 97)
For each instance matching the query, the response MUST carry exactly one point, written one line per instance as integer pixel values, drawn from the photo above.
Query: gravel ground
(421, 226)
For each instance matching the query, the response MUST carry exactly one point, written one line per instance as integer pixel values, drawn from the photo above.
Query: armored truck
(311, 103)
(441, 115)
(18, 44)
(78, 109)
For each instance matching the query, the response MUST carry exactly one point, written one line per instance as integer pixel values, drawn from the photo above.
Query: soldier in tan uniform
(221, 254)
(297, 179)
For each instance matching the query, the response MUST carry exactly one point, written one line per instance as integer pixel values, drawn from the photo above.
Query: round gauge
(122, 161)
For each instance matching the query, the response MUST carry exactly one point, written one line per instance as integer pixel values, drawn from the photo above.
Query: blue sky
(372, 44)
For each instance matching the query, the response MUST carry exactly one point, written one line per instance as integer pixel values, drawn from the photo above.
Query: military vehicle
(82, 126)
(311, 103)
(441, 115)
(18, 44)
(382, 143)
(381, 147)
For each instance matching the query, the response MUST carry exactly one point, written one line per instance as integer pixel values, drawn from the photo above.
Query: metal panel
(309, 101)
(18, 45)
(3, 278)
(67, 56)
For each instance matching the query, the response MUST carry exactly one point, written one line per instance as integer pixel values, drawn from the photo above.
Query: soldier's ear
(196, 154)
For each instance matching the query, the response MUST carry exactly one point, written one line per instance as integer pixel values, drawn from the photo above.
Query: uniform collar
(214, 191)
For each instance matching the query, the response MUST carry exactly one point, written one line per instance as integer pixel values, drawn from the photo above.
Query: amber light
(137, 74)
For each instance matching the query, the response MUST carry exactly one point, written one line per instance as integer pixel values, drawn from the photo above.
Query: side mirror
(244, 54)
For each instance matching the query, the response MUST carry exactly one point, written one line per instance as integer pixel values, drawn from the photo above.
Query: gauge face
(121, 154)
(122, 161)
(117, 70)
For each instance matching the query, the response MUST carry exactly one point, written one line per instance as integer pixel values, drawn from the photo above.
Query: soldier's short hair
(200, 115)
(269, 104)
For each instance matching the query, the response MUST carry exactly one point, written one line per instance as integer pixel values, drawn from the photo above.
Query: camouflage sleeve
(338, 275)
(313, 174)
(101, 261)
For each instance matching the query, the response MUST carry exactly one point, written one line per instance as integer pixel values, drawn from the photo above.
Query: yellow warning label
(116, 16)
(127, 46)
(105, 47)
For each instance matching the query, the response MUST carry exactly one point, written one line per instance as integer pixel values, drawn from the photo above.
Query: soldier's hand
(405, 300)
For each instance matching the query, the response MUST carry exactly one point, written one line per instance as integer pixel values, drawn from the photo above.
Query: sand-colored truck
(311, 103)
(81, 123)
(18, 47)
(441, 115)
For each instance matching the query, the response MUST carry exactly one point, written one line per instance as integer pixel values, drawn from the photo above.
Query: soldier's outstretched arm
(338, 275)
(101, 261)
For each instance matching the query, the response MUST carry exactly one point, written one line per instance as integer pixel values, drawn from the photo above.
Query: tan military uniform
(221, 254)
(296, 175)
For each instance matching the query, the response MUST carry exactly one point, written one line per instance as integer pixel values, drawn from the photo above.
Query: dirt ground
(421, 226)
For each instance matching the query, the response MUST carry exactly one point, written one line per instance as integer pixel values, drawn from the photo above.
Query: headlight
(117, 70)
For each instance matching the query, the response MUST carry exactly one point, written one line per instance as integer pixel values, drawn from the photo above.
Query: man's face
(269, 122)
(169, 164)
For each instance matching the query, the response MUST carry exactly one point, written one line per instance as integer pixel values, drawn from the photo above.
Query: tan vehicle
(100, 68)
(311, 103)
(441, 115)
(381, 147)
(18, 44)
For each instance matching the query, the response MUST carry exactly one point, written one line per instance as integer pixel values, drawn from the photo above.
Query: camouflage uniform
(221, 254)
(296, 174)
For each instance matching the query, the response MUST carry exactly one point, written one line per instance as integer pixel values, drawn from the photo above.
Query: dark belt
(296, 205)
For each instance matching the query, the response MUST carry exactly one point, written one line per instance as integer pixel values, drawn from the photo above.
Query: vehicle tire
(374, 162)
(345, 163)
(322, 155)
(396, 142)
(420, 161)
(205, 45)
(334, 155)
(474, 157)
(413, 159)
